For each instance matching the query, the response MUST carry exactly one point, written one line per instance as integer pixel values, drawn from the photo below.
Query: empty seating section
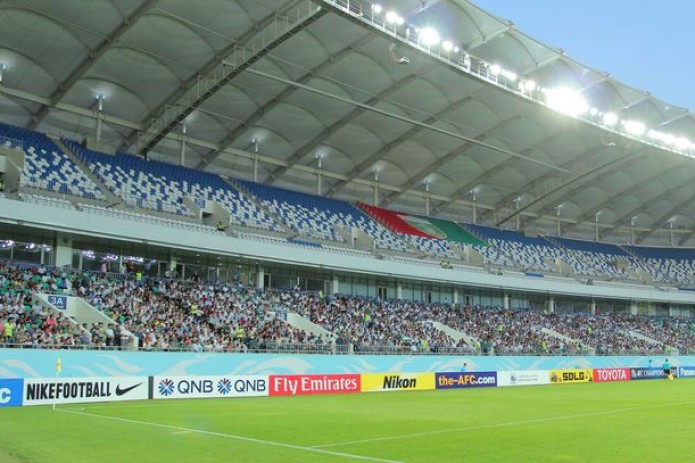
(318, 217)
(46, 166)
(511, 248)
(161, 186)
(594, 259)
(666, 265)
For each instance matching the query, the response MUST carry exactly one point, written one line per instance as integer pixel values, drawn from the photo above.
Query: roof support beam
(336, 126)
(575, 182)
(94, 55)
(231, 137)
(588, 215)
(272, 32)
(656, 226)
(448, 157)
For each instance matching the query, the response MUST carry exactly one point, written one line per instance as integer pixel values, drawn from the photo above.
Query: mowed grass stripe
(613, 422)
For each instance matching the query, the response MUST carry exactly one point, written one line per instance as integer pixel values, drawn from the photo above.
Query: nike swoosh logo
(120, 392)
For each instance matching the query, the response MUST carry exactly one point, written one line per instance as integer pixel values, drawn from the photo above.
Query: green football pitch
(638, 421)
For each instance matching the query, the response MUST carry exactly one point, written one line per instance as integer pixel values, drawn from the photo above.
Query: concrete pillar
(335, 284)
(399, 290)
(455, 296)
(505, 301)
(260, 277)
(183, 145)
(634, 309)
(551, 304)
(592, 306)
(63, 251)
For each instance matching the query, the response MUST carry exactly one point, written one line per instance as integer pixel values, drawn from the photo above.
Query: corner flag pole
(59, 368)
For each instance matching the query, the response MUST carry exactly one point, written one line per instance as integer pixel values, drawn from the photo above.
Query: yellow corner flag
(59, 366)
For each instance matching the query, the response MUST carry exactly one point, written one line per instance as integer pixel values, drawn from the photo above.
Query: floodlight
(566, 101)
(394, 18)
(682, 143)
(377, 9)
(447, 45)
(511, 76)
(634, 127)
(610, 118)
(495, 69)
(429, 36)
(527, 85)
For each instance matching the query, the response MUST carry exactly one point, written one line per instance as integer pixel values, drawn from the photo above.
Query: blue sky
(645, 44)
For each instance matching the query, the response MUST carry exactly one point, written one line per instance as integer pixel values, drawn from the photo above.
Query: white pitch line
(496, 425)
(233, 436)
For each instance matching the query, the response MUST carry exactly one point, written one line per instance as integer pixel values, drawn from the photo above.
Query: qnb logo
(166, 387)
(224, 386)
(5, 395)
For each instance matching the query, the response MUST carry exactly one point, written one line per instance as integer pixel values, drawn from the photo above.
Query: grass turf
(607, 422)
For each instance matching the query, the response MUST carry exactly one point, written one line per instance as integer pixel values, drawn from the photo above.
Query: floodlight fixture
(527, 85)
(610, 119)
(3, 68)
(635, 127)
(510, 76)
(495, 69)
(447, 45)
(567, 101)
(429, 37)
(394, 18)
(682, 143)
(377, 9)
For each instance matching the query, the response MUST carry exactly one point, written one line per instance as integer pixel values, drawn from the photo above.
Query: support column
(399, 290)
(592, 306)
(551, 304)
(63, 251)
(455, 296)
(428, 197)
(183, 144)
(319, 172)
(335, 284)
(100, 110)
(505, 301)
(260, 277)
(376, 188)
(634, 310)
(255, 159)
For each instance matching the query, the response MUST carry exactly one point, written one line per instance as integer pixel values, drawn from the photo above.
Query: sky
(646, 44)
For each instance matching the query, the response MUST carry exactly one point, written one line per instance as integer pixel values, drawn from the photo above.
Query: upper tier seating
(666, 265)
(319, 217)
(590, 258)
(511, 248)
(46, 166)
(161, 186)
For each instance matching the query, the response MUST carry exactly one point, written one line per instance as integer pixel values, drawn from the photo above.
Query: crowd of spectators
(166, 314)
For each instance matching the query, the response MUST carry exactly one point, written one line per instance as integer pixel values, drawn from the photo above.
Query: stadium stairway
(641, 337)
(79, 311)
(567, 339)
(108, 196)
(297, 321)
(456, 335)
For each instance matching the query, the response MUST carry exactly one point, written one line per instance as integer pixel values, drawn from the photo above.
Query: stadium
(376, 226)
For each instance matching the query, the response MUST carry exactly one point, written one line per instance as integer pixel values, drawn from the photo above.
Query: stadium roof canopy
(359, 94)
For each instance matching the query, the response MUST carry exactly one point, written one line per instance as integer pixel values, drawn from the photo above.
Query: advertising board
(47, 391)
(466, 380)
(602, 375)
(379, 382)
(646, 373)
(575, 375)
(523, 378)
(198, 387)
(281, 385)
(11, 392)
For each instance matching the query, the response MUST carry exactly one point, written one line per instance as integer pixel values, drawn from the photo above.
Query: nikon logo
(396, 382)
